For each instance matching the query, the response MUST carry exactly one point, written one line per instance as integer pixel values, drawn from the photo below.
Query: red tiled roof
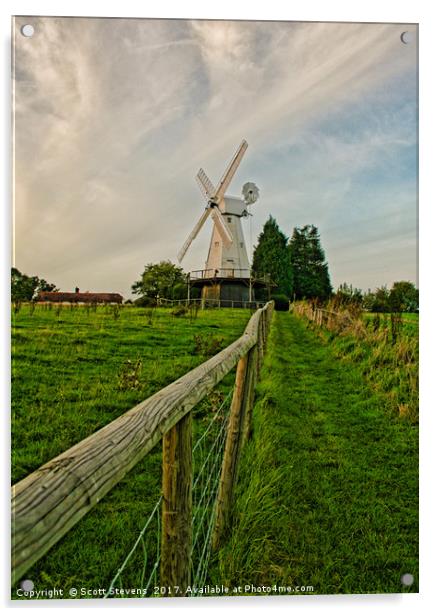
(57, 296)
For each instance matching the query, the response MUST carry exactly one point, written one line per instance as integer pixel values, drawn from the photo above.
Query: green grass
(73, 373)
(389, 363)
(328, 486)
(409, 326)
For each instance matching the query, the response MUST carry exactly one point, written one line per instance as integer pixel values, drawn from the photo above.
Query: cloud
(114, 117)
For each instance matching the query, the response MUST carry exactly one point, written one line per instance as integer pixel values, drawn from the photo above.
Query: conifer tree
(310, 271)
(271, 257)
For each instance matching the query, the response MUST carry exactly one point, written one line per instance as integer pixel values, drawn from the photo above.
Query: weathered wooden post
(231, 456)
(249, 395)
(177, 479)
(261, 333)
(259, 351)
(264, 318)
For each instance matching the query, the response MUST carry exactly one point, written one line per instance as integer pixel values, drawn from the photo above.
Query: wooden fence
(391, 323)
(50, 501)
(207, 302)
(320, 316)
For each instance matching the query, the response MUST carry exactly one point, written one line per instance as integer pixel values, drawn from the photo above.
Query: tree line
(25, 288)
(297, 268)
(401, 297)
(297, 265)
(300, 271)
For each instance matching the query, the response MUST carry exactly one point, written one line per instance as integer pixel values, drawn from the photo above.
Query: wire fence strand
(207, 460)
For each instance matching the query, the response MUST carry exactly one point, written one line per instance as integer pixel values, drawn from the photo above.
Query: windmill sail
(227, 242)
(230, 172)
(221, 225)
(205, 184)
(194, 233)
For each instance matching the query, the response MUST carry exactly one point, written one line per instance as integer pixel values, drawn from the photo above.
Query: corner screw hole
(27, 30)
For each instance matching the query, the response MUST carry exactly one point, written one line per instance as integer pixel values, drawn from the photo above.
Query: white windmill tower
(227, 268)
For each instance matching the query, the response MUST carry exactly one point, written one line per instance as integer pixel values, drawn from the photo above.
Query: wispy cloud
(114, 117)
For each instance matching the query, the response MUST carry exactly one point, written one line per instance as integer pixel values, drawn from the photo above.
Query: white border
(420, 11)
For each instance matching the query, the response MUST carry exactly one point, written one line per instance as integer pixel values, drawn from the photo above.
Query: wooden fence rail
(50, 501)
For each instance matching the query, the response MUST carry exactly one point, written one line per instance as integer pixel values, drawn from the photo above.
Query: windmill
(227, 268)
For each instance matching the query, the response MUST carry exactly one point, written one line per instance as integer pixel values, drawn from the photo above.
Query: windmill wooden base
(224, 289)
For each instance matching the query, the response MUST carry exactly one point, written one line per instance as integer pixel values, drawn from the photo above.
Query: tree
(271, 257)
(24, 288)
(404, 297)
(379, 300)
(347, 294)
(310, 271)
(161, 279)
(43, 285)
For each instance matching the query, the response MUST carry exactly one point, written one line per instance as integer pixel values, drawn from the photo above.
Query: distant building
(79, 298)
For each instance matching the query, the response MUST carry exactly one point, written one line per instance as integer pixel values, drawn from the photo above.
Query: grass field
(328, 488)
(409, 325)
(74, 371)
(387, 354)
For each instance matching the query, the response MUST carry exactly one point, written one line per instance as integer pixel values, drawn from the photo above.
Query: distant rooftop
(82, 298)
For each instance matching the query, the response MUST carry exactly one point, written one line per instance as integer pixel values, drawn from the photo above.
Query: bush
(145, 301)
(129, 375)
(179, 311)
(207, 345)
(281, 302)
(179, 291)
(194, 292)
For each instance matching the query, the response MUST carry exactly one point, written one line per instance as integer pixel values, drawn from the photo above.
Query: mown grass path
(328, 485)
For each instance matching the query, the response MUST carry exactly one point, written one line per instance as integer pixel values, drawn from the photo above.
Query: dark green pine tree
(271, 257)
(310, 271)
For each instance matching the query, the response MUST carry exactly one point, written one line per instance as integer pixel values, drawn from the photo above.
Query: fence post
(233, 443)
(261, 328)
(259, 345)
(177, 479)
(252, 375)
(249, 395)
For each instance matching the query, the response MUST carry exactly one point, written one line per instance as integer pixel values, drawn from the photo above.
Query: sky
(114, 117)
